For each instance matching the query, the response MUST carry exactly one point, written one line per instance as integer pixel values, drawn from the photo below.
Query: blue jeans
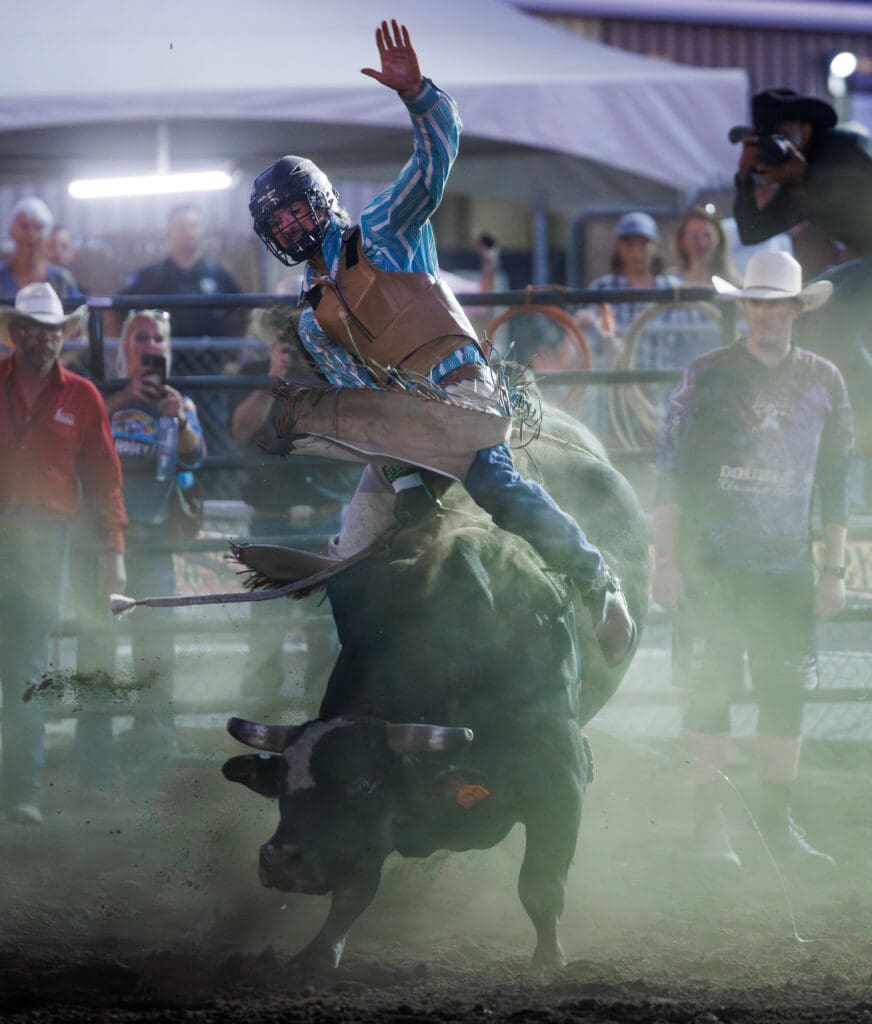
(33, 558)
(525, 508)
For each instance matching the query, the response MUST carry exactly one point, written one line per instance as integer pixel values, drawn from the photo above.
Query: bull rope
(264, 591)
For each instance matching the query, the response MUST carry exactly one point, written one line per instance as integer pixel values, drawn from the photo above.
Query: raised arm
(396, 230)
(399, 62)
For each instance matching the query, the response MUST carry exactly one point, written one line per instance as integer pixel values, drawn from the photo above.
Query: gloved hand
(613, 625)
(414, 504)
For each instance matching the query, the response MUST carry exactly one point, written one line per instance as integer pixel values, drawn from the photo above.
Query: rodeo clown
(408, 382)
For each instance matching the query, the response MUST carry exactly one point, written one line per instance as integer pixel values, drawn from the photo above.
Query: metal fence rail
(210, 358)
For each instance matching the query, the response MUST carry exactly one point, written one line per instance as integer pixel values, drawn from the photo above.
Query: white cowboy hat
(776, 275)
(39, 302)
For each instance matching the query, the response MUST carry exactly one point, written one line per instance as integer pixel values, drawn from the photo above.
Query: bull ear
(411, 738)
(260, 772)
(274, 738)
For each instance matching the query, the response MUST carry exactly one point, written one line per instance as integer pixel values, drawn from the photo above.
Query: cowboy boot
(786, 839)
(711, 837)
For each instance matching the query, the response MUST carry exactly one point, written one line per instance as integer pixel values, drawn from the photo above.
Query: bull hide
(457, 624)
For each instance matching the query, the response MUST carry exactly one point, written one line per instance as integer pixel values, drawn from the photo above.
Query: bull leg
(551, 823)
(346, 906)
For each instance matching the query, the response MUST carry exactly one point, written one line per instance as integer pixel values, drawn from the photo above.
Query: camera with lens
(774, 148)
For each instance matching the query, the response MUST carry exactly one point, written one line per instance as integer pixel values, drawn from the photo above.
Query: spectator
(60, 247)
(186, 271)
(751, 432)
(285, 500)
(702, 249)
(636, 263)
(823, 175)
(134, 414)
(57, 461)
(30, 263)
(61, 252)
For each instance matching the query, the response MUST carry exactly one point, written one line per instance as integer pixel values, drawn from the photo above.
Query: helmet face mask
(300, 189)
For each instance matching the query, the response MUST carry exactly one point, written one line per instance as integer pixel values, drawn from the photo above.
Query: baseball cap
(637, 223)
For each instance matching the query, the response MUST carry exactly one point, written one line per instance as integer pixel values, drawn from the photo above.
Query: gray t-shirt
(743, 449)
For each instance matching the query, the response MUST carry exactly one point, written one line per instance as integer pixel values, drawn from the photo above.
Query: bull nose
(271, 855)
(284, 857)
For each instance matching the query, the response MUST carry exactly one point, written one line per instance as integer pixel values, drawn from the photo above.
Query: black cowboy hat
(772, 106)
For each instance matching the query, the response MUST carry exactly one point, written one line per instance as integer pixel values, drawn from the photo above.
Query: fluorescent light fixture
(150, 185)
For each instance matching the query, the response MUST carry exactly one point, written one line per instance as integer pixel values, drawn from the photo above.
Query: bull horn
(410, 738)
(274, 738)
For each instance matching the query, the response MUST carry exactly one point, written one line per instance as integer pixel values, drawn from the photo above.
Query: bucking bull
(454, 710)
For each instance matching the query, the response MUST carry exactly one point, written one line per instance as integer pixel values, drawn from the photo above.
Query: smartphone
(154, 365)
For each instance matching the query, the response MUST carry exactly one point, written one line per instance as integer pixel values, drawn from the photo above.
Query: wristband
(835, 570)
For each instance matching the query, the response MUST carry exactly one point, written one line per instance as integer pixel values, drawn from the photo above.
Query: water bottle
(166, 447)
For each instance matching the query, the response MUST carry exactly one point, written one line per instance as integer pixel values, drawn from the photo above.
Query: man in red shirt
(57, 461)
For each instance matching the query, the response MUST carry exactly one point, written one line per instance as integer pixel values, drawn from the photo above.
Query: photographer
(823, 176)
(824, 173)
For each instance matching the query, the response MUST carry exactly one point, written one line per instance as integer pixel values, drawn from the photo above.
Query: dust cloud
(124, 904)
(155, 902)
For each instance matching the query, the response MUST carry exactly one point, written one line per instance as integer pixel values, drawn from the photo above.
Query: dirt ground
(152, 910)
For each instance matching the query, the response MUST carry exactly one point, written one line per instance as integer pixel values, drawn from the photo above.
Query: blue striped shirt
(396, 233)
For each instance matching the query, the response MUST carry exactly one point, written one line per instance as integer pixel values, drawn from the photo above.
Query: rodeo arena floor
(150, 908)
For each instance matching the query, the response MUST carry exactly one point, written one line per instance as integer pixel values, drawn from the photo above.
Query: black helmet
(291, 179)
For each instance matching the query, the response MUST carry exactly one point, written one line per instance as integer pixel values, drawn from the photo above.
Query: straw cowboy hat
(776, 275)
(40, 304)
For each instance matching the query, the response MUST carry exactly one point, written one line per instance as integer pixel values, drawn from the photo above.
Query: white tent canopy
(551, 119)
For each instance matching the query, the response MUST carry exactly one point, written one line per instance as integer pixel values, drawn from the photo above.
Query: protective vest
(399, 319)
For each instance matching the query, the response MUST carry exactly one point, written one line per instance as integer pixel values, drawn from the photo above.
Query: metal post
(541, 267)
(96, 355)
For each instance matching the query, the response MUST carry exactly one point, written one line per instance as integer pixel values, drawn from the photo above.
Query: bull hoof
(548, 958)
(318, 959)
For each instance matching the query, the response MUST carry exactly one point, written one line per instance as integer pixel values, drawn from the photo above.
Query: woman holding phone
(146, 416)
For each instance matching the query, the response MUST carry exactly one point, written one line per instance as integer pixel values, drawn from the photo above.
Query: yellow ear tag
(469, 796)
